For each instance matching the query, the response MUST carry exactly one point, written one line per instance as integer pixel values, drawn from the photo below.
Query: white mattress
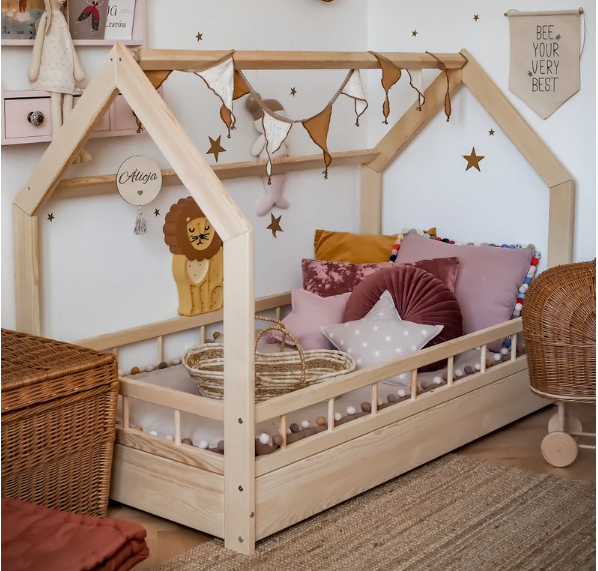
(161, 420)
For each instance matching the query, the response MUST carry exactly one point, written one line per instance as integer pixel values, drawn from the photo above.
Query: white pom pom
(401, 393)
(497, 357)
(337, 416)
(478, 348)
(380, 402)
(518, 306)
(264, 438)
(203, 444)
(153, 433)
(458, 373)
(458, 243)
(504, 351)
(420, 232)
(477, 367)
(121, 373)
(350, 410)
(176, 361)
(405, 231)
(531, 272)
(305, 423)
(149, 368)
(169, 437)
(437, 380)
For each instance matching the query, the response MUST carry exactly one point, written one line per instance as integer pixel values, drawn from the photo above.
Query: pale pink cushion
(488, 281)
(309, 315)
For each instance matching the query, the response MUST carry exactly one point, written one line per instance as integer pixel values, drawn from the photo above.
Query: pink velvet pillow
(418, 296)
(309, 315)
(334, 278)
(488, 281)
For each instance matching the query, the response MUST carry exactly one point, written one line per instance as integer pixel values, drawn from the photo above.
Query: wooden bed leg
(239, 394)
(371, 201)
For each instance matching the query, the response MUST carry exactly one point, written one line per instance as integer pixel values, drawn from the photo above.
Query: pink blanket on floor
(36, 538)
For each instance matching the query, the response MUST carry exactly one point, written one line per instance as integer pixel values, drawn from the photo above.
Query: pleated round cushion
(419, 297)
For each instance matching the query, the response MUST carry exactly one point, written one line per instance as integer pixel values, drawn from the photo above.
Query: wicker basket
(559, 325)
(275, 373)
(58, 423)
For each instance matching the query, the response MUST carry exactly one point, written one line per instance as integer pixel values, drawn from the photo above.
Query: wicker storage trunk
(58, 423)
(559, 325)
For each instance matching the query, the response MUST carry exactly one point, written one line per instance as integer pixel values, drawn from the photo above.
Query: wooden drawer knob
(35, 118)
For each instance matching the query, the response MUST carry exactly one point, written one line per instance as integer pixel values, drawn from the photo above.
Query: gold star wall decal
(476, 17)
(414, 33)
(199, 36)
(293, 91)
(51, 216)
(215, 147)
(275, 224)
(157, 212)
(473, 160)
(491, 132)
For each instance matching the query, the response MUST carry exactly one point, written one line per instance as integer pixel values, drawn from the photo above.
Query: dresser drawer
(124, 119)
(16, 125)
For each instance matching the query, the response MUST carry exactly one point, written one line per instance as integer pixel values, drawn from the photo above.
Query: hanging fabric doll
(55, 66)
(273, 185)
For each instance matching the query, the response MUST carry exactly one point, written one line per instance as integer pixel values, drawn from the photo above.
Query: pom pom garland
(337, 416)
(305, 424)
(504, 351)
(350, 410)
(458, 373)
(176, 361)
(264, 438)
(437, 380)
(497, 357)
(401, 393)
(477, 367)
(153, 433)
(169, 437)
(149, 368)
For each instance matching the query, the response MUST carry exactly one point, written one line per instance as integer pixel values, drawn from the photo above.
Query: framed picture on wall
(19, 18)
(87, 19)
(119, 22)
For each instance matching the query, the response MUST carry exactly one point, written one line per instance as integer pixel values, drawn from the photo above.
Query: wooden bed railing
(280, 407)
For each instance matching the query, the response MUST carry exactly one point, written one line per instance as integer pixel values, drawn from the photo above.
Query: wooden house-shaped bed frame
(237, 496)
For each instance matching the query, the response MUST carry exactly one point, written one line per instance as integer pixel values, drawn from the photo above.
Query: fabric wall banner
(545, 53)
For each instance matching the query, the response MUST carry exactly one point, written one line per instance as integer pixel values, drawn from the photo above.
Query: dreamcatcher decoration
(277, 128)
(139, 180)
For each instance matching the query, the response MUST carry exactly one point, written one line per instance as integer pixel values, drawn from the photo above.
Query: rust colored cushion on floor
(36, 538)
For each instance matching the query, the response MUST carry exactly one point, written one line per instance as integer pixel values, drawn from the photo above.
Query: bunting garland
(447, 96)
(354, 89)
(390, 75)
(416, 80)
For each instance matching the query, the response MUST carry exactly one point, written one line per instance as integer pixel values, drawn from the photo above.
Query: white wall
(97, 275)
(507, 201)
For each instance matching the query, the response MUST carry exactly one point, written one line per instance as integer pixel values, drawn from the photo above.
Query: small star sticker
(51, 216)
(293, 91)
(199, 37)
(473, 160)
(491, 132)
(414, 33)
(558, 37)
(215, 147)
(156, 212)
(275, 225)
(476, 17)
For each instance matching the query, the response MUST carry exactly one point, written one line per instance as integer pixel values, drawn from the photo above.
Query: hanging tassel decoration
(447, 96)
(140, 223)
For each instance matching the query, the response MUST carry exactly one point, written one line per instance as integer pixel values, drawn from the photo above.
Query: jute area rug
(457, 513)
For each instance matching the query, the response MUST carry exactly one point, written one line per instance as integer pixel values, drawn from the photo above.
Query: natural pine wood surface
(517, 445)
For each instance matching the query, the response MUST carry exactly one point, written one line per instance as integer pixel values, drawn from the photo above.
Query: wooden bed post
(239, 394)
(371, 201)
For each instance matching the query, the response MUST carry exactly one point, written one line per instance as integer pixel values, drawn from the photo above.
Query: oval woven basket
(276, 374)
(559, 326)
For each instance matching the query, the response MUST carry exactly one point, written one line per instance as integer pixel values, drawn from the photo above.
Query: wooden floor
(516, 445)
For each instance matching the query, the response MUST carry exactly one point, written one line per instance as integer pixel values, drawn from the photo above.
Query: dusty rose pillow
(334, 278)
(309, 315)
(488, 280)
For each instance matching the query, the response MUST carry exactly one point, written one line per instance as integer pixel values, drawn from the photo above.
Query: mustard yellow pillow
(353, 248)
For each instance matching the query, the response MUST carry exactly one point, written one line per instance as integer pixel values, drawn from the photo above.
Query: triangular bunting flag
(275, 132)
(416, 80)
(239, 90)
(390, 75)
(317, 127)
(354, 89)
(447, 95)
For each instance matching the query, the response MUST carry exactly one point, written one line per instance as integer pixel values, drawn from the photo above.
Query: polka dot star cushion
(381, 336)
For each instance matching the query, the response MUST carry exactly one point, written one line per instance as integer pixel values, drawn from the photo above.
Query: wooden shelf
(99, 43)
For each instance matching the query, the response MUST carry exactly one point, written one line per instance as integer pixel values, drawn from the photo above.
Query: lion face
(200, 232)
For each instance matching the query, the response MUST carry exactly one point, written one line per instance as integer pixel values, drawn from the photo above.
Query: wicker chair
(559, 326)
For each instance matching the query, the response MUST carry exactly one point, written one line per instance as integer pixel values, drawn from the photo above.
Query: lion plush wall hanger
(197, 261)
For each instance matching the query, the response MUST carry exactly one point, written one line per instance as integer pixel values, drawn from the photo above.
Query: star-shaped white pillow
(381, 336)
